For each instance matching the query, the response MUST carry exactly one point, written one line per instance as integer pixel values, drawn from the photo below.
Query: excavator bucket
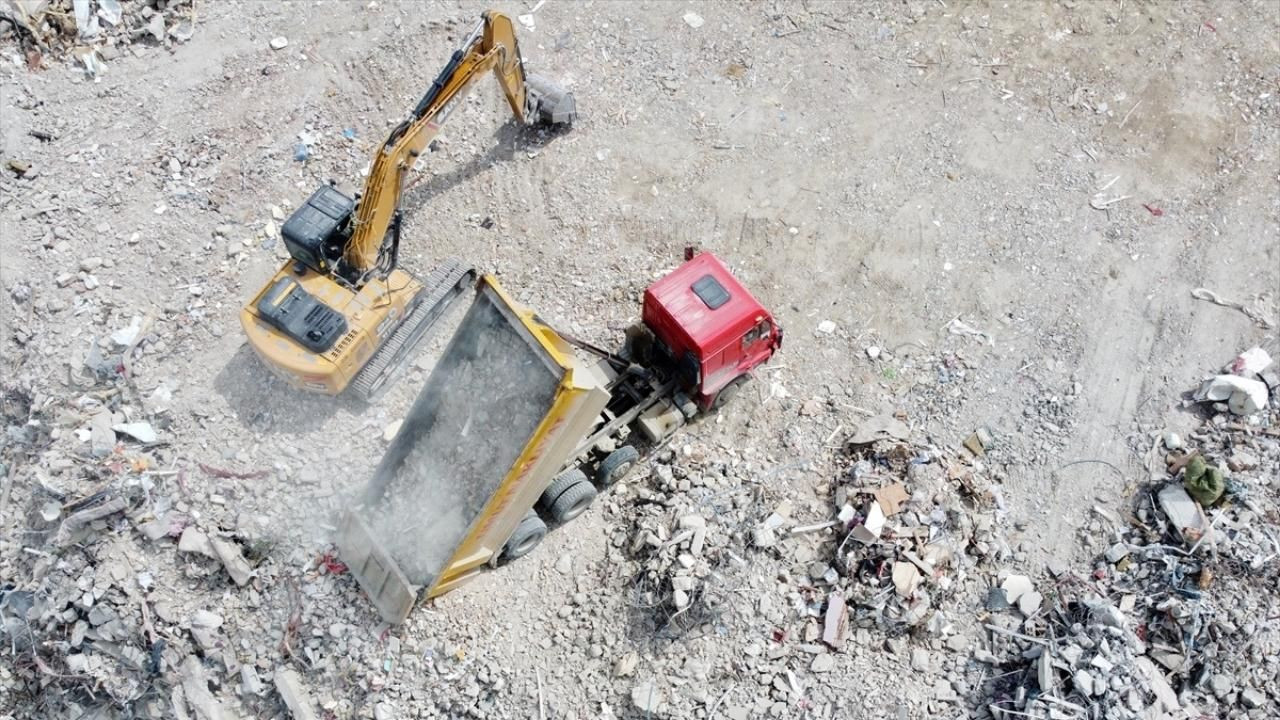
(551, 104)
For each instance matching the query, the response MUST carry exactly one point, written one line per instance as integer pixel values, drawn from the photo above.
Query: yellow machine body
(372, 314)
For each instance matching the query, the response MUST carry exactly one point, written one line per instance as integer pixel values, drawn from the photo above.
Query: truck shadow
(512, 137)
(264, 403)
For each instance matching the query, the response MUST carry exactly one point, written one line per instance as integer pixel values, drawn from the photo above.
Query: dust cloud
(480, 406)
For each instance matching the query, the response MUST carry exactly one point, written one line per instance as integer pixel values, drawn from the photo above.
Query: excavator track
(449, 279)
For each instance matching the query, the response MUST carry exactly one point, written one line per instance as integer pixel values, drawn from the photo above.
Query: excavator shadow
(265, 404)
(509, 139)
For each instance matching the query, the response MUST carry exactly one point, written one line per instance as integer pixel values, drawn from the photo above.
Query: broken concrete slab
(1182, 511)
(1015, 586)
(906, 577)
(881, 427)
(294, 694)
(835, 622)
(229, 555)
(194, 541)
(195, 687)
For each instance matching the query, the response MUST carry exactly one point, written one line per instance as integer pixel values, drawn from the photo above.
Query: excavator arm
(491, 46)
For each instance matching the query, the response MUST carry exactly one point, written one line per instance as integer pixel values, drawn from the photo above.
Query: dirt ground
(1058, 176)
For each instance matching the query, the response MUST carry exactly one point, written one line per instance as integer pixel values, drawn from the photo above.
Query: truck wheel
(573, 501)
(728, 392)
(563, 481)
(526, 537)
(616, 465)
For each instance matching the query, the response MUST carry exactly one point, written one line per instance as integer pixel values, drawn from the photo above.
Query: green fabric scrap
(1203, 482)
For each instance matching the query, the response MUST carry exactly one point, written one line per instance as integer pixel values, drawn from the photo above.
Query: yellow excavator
(340, 313)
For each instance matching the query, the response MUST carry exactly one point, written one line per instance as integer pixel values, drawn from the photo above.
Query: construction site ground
(970, 215)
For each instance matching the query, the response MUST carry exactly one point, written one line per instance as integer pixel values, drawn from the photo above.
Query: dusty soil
(1058, 176)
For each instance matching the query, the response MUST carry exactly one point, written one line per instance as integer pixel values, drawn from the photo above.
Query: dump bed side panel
(577, 409)
(481, 405)
(470, 457)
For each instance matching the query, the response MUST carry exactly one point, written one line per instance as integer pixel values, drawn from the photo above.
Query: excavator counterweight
(341, 313)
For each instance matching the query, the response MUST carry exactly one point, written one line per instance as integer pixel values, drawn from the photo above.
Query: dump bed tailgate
(478, 446)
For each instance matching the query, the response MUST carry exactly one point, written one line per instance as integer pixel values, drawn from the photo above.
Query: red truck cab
(713, 328)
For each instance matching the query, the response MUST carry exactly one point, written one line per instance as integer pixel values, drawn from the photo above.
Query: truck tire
(728, 392)
(526, 537)
(573, 501)
(616, 465)
(563, 481)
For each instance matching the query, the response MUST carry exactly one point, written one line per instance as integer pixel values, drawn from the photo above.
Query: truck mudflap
(378, 574)
(502, 409)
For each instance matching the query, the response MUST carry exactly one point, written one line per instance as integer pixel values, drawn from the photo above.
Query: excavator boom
(341, 313)
(491, 46)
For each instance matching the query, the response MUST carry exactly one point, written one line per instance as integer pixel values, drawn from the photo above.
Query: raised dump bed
(501, 413)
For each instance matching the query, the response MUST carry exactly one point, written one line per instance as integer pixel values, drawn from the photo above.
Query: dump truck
(519, 426)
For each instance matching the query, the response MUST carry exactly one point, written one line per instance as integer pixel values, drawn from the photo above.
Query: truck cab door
(757, 344)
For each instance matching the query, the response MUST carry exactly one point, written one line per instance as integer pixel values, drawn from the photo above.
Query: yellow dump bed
(502, 410)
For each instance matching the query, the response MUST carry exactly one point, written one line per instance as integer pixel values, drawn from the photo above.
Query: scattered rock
(279, 42)
(294, 694)
(646, 697)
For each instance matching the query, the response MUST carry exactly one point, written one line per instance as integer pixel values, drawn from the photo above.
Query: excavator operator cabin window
(710, 291)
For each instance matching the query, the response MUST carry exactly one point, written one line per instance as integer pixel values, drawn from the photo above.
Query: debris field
(1019, 455)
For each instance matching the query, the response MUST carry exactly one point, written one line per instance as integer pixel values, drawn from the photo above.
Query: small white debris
(826, 327)
(873, 351)
(389, 432)
(279, 42)
(695, 21)
(140, 431)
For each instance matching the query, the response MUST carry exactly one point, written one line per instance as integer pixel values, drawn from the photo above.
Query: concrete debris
(834, 544)
(294, 694)
(195, 688)
(1015, 586)
(1155, 616)
(835, 621)
(882, 427)
(626, 665)
(194, 541)
(389, 432)
(647, 697)
(232, 559)
(140, 431)
(1250, 362)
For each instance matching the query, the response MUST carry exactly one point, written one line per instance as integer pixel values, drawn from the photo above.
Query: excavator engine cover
(314, 232)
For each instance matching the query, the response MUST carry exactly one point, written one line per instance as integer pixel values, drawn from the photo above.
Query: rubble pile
(1173, 619)
(94, 617)
(94, 31)
(680, 532)
(914, 526)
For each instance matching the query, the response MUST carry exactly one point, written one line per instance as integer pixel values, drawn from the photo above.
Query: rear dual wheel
(568, 496)
(526, 537)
